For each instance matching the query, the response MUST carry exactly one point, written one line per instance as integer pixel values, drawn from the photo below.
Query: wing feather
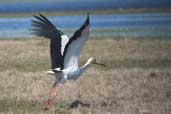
(43, 27)
(74, 45)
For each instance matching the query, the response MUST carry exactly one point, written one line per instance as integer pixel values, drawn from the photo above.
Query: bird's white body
(71, 73)
(64, 51)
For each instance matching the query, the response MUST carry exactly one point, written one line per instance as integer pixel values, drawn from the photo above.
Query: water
(147, 25)
(62, 5)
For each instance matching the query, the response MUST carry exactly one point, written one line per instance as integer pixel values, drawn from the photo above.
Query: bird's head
(94, 61)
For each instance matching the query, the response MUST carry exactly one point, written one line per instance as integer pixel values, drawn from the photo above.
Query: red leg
(49, 95)
(50, 100)
(51, 90)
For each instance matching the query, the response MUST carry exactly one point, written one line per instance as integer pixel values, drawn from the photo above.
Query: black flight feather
(76, 35)
(43, 27)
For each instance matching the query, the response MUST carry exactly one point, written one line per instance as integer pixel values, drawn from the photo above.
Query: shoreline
(92, 12)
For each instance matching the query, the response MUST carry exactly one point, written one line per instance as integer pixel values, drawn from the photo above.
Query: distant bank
(26, 7)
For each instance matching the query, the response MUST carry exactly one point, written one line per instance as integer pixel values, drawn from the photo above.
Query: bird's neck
(85, 66)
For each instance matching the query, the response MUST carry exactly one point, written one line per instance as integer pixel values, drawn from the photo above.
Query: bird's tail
(57, 70)
(54, 71)
(50, 72)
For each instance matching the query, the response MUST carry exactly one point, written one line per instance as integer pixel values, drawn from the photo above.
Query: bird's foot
(46, 108)
(47, 105)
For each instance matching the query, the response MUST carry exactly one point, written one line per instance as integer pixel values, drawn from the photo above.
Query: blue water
(109, 25)
(65, 5)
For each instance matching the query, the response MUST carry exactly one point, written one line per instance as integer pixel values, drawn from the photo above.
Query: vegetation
(112, 11)
(136, 79)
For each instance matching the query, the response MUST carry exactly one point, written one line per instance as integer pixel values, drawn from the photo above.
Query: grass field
(137, 79)
(92, 12)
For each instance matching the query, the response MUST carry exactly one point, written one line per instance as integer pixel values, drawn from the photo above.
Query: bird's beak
(100, 64)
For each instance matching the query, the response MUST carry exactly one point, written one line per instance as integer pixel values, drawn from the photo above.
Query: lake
(11, 6)
(145, 25)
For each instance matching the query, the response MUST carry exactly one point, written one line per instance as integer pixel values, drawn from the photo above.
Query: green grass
(56, 13)
(92, 12)
(136, 79)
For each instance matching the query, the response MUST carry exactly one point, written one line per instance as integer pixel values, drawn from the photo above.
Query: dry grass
(137, 79)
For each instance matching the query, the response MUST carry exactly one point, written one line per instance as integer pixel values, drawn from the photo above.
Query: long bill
(100, 64)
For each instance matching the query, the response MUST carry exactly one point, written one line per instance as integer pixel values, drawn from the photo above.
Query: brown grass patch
(135, 85)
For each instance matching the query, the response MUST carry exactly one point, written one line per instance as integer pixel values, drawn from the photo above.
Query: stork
(64, 52)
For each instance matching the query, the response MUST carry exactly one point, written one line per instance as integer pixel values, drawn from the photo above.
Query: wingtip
(88, 14)
(36, 16)
(40, 14)
(88, 19)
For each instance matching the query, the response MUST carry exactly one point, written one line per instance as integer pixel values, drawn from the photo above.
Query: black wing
(74, 45)
(43, 27)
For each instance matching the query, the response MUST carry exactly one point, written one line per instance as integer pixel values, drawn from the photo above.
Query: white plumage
(65, 40)
(64, 51)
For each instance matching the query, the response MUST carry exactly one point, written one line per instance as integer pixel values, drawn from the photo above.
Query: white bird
(64, 52)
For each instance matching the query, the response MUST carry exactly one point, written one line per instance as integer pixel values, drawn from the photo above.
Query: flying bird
(64, 52)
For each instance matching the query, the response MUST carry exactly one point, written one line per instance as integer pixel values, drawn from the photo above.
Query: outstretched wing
(76, 42)
(58, 40)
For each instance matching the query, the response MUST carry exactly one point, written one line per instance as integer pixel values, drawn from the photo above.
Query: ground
(137, 79)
